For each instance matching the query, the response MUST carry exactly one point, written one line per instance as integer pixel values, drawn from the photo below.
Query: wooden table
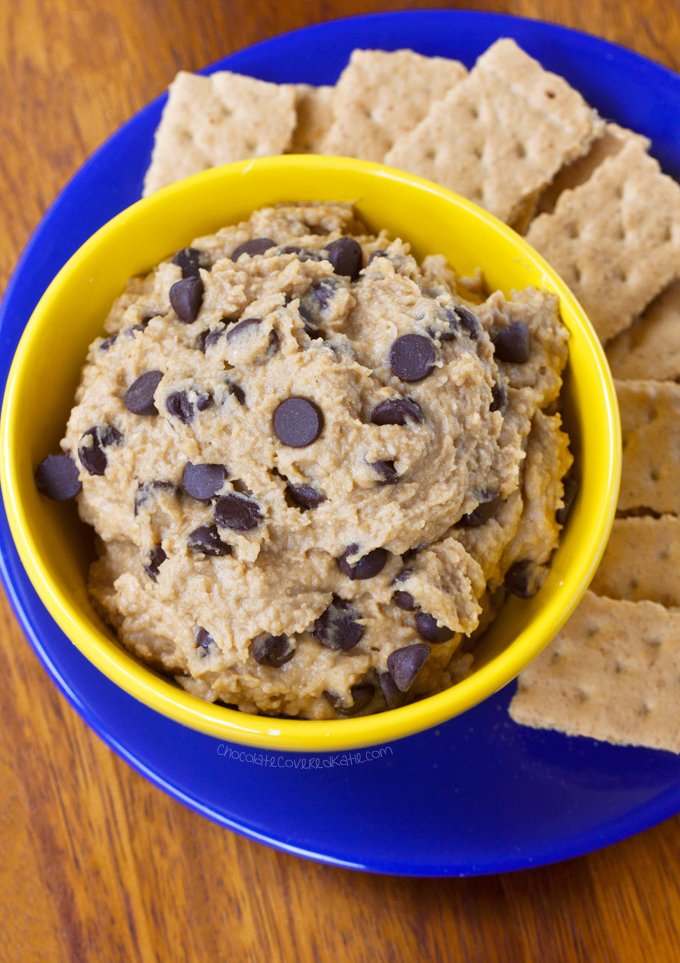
(95, 863)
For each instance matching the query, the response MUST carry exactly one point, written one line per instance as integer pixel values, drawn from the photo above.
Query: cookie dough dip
(315, 466)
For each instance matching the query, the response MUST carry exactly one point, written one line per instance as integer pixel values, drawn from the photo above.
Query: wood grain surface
(95, 863)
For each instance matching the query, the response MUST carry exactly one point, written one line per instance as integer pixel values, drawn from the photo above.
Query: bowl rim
(141, 681)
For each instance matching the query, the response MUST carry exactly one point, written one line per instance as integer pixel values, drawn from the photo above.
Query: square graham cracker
(215, 120)
(615, 240)
(641, 561)
(314, 106)
(500, 136)
(612, 673)
(650, 428)
(650, 347)
(380, 96)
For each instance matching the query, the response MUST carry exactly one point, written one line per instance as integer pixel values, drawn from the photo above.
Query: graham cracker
(380, 96)
(612, 673)
(215, 120)
(611, 141)
(500, 136)
(641, 561)
(615, 239)
(650, 347)
(650, 426)
(314, 106)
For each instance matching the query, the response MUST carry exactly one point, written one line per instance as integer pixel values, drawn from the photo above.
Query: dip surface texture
(313, 464)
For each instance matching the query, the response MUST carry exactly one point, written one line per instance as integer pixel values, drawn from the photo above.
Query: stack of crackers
(522, 143)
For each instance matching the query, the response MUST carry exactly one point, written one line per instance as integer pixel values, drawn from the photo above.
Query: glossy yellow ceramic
(56, 547)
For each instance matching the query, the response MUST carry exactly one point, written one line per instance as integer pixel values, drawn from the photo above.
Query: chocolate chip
(453, 329)
(377, 254)
(394, 697)
(57, 477)
(203, 401)
(388, 473)
(428, 628)
(298, 422)
(482, 512)
(404, 600)
(274, 343)
(396, 411)
(336, 628)
(258, 245)
(305, 496)
(156, 557)
(147, 488)
(512, 343)
(212, 337)
(189, 259)
(139, 396)
(361, 697)
(203, 481)
(201, 339)
(570, 489)
(405, 573)
(469, 321)
(345, 256)
(518, 579)
(324, 290)
(206, 539)
(91, 448)
(203, 640)
(291, 249)
(107, 342)
(238, 513)
(179, 406)
(412, 357)
(499, 395)
(368, 566)
(246, 325)
(273, 650)
(186, 297)
(238, 393)
(405, 664)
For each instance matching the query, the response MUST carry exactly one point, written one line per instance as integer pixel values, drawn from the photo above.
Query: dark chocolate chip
(298, 422)
(336, 628)
(428, 628)
(394, 697)
(156, 557)
(405, 573)
(361, 696)
(91, 448)
(412, 357)
(291, 249)
(203, 481)
(203, 401)
(518, 579)
(368, 566)
(453, 329)
(206, 539)
(147, 488)
(273, 650)
(179, 406)
(499, 395)
(388, 473)
(212, 337)
(512, 343)
(246, 325)
(186, 297)
(405, 664)
(324, 290)
(139, 396)
(305, 496)
(396, 411)
(238, 513)
(404, 600)
(107, 342)
(482, 512)
(201, 339)
(238, 393)
(57, 477)
(469, 321)
(377, 254)
(258, 245)
(135, 327)
(570, 489)
(203, 640)
(189, 259)
(345, 256)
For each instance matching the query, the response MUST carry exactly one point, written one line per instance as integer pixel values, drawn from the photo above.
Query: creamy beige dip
(313, 463)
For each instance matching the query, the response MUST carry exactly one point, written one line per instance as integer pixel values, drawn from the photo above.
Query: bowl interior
(57, 548)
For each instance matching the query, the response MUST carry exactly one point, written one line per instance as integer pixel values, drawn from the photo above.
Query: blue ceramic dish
(480, 794)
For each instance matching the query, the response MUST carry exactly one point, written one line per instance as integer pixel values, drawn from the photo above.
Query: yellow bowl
(56, 548)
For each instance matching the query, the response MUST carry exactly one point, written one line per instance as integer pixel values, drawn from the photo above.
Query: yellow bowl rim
(299, 734)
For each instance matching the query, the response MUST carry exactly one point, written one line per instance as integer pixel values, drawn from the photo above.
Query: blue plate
(480, 794)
